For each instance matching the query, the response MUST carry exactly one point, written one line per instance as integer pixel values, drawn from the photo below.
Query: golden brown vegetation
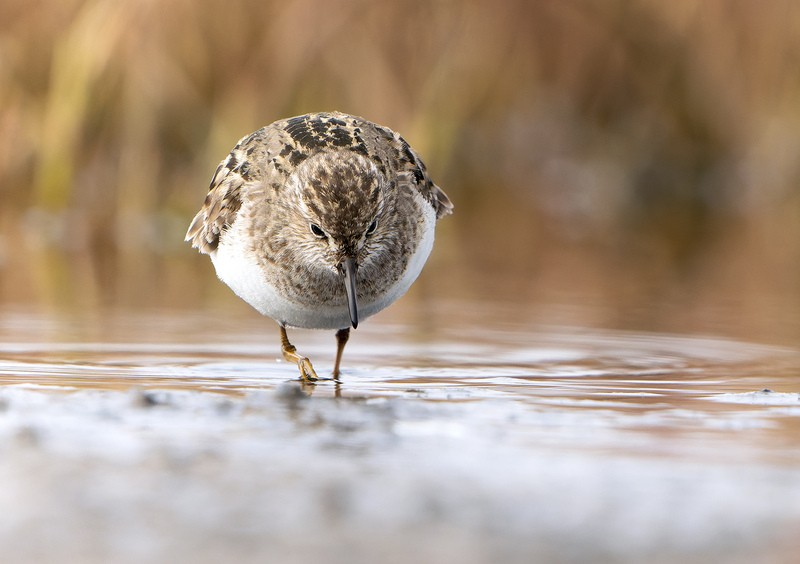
(634, 152)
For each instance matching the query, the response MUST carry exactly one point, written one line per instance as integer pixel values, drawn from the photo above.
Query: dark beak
(349, 265)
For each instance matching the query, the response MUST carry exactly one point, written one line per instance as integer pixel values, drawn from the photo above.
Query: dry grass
(591, 139)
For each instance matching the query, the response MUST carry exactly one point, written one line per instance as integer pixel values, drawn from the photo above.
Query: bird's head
(341, 199)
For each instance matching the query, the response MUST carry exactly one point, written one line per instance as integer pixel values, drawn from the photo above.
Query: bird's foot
(307, 372)
(342, 335)
(289, 351)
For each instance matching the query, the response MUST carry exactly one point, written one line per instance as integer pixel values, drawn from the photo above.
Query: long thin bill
(350, 287)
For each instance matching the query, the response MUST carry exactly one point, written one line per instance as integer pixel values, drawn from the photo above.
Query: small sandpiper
(319, 221)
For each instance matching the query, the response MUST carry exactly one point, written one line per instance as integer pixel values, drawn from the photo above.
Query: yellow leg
(341, 340)
(290, 354)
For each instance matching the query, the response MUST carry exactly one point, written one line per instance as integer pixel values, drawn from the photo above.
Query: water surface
(182, 436)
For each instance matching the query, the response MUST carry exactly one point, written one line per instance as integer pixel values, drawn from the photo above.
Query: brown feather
(270, 155)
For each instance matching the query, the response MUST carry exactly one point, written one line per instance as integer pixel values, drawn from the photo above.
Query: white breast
(237, 266)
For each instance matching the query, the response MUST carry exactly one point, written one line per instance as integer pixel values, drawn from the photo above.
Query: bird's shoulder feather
(273, 153)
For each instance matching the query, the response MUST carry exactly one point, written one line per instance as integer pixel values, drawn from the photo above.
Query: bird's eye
(372, 227)
(317, 231)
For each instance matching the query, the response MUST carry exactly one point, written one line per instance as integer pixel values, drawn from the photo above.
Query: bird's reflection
(307, 388)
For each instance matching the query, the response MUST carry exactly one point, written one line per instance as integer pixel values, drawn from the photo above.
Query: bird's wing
(408, 166)
(220, 207)
(242, 170)
(430, 191)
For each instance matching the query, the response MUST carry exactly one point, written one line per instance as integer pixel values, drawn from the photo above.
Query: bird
(319, 221)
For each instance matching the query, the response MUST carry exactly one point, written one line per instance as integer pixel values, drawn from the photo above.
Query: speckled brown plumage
(309, 207)
(268, 156)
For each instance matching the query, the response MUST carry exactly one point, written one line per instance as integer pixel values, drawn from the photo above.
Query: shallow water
(165, 437)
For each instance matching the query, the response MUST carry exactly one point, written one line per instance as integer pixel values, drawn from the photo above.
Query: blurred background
(626, 164)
